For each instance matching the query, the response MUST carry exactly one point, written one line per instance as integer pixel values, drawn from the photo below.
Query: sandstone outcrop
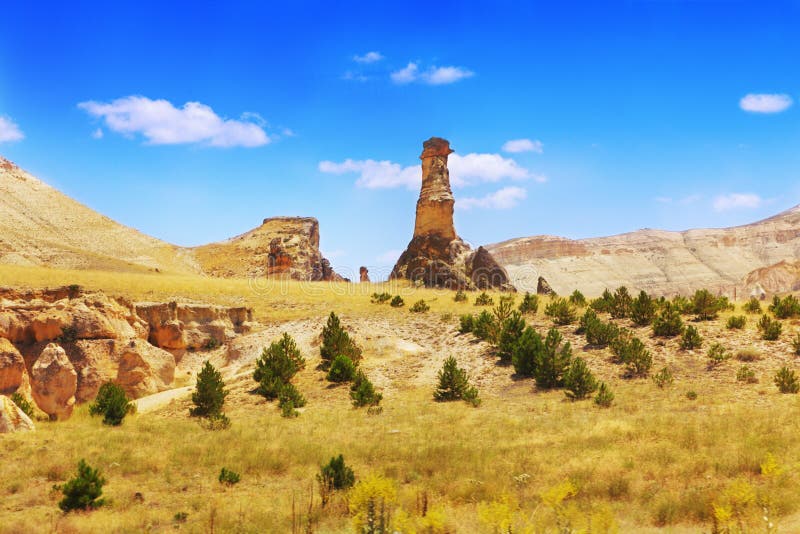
(54, 382)
(543, 287)
(178, 326)
(779, 278)
(363, 274)
(660, 262)
(12, 368)
(436, 256)
(144, 369)
(12, 418)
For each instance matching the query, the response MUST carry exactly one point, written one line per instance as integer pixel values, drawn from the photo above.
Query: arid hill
(41, 226)
(726, 260)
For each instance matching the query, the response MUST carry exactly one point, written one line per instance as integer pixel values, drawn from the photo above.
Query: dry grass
(654, 460)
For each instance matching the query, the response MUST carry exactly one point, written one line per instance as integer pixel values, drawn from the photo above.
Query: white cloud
(522, 145)
(465, 170)
(737, 200)
(388, 257)
(432, 76)
(9, 131)
(369, 57)
(161, 123)
(765, 103)
(97, 134)
(354, 76)
(502, 199)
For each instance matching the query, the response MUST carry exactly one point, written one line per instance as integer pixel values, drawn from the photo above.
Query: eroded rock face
(12, 419)
(12, 368)
(436, 256)
(178, 326)
(144, 369)
(543, 287)
(363, 274)
(54, 382)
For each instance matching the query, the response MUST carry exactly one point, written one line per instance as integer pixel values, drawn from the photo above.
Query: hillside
(41, 226)
(657, 261)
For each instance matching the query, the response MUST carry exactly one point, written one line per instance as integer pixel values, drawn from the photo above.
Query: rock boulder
(54, 382)
(12, 418)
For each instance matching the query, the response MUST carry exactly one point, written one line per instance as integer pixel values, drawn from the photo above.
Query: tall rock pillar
(435, 204)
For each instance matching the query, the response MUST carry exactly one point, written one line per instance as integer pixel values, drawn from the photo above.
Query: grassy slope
(653, 459)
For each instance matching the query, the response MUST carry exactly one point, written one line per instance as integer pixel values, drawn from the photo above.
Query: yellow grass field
(524, 461)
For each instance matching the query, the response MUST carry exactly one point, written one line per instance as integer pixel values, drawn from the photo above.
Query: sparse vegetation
(553, 361)
(336, 475)
(460, 296)
(209, 395)
(228, 477)
(420, 307)
(397, 302)
(663, 378)
(786, 380)
(276, 367)
(465, 323)
(22, 403)
(786, 307)
(620, 303)
(691, 339)
(336, 341)
(746, 374)
(769, 328)
(604, 397)
(577, 298)
(736, 322)
(752, 306)
(631, 352)
(796, 344)
(485, 326)
(643, 309)
(82, 492)
(579, 381)
(748, 354)
(668, 322)
(342, 369)
(454, 384)
(363, 393)
(112, 403)
(529, 304)
(484, 300)
(717, 354)
(380, 298)
(706, 306)
(561, 311)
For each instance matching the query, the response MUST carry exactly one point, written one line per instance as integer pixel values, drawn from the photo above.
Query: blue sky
(194, 121)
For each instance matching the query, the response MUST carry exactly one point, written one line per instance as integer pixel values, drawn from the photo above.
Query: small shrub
(454, 384)
(600, 334)
(334, 476)
(717, 354)
(770, 328)
(22, 403)
(397, 302)
(527, 353)
(277, 366)
(209, 395)
(336, 341)
(668, 322)
(561, 312)
(663, 378)
(69, 334)
(786, 307)
(620, 303)
(83, 491)
(211, 344)
(529, 304)
(112, 403)
(752, 306)
(342, 369)
(553, 361)
(485, 326)
(577, 298)
(579, 381)
(749, 354)
(682, 305)
(643, 309)
(603, 303)
(691, 339)
(796, 344)
(484, 300)
(380, 298)
(604, 397)
(510, 333)
(466, 322)
(363, 393)
(419, 307)
(736, 322)
(691, 394)
(289, 398)
(446, 317)
(746, 375)
(787, 380)
(228, 477)
(631, 352)
(460, 296)
(706, 306)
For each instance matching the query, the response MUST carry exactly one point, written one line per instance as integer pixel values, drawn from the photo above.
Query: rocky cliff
(436, 256)
(728, 260)
(41, 226)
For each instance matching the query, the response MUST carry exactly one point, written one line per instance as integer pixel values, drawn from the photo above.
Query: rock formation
(436, 256)
(363, 273)
(12, 368)
(54, 382)
(12, 419)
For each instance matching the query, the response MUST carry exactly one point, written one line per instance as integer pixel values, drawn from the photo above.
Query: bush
(706, 306)
(682, 305)
(577, 299)
(485, 327)
(211, 344)
(796, 344)
(454, 384)
(631, 352)
(691, 394)
(82, 492)
(553, 361)
(290, 398)
(342, 369)
(736, 322)
(228, 477)
(579, 380)
(746, 375)
(770, 329)
(380, 298)
(786, 307)
(717, 354)
(419, 307)
(603, 303)
(22, 403)
(112, 403)
(460, 296)
(527, 353)
(484, 300)
(620, 303)
(691, 339)
(752, 306)
(209, 395)
(604, 396)
(509, 336)
(786, 380)
(668, 322)
(529, 304)
(561, 312)
(643, 309)
(363, 393)
(466, 323)
(333, 476)
(600, 334)
(663, 378)
(749, 354)
(277, 366)
(335, 342)
(397, 302)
